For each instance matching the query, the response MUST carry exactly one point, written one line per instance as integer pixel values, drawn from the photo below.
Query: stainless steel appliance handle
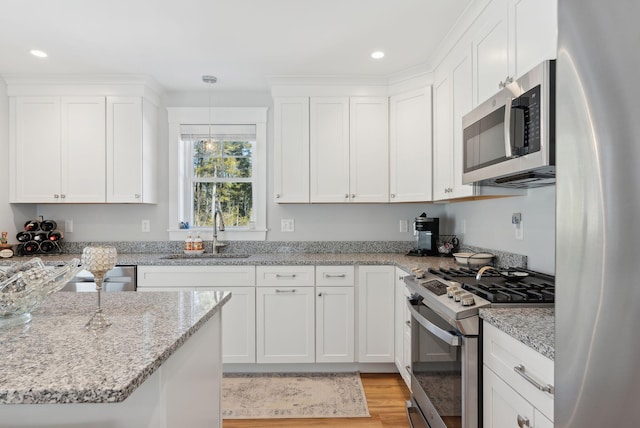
(441, 334)
(507, 129)
(521, 371)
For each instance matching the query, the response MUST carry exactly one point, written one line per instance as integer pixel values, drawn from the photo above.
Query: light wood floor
(386, 396)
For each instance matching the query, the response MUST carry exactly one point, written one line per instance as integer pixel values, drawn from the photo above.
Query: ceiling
(242, 42)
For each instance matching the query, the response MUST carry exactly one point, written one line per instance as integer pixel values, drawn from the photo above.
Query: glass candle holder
(98, 261)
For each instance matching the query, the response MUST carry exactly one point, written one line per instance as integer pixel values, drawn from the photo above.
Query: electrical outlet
(464, 227)
(519, 232)
(146, 226)
(68, 226)
(287, 225)
(404, 226)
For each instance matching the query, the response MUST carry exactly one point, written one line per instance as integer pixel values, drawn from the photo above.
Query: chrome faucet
(217, 214)
(482, 270)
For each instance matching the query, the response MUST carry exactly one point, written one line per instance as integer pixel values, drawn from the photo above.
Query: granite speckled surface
(535, 327)
(54, 359)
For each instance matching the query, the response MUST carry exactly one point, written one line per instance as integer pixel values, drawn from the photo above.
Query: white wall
(488, 225)
(12, 217)
(319, 222)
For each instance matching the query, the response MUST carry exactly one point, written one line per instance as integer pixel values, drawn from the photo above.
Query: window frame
(177, 172)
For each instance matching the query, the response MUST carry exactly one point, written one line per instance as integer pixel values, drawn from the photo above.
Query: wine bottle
(48, 225)
(55, 235)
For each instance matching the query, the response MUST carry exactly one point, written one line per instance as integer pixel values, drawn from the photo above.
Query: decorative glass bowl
(24, 286)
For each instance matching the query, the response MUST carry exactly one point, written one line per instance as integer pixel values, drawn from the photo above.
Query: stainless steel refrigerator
(597, 362)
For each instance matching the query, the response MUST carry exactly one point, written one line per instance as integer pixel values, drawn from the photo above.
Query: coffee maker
(426, 232)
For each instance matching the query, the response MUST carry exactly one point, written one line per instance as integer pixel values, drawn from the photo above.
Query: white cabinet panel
(238, 325)
(442, 139)
(369, 149)
(299, 276)
(376, 297)
(503, 407)
(402, 328)
(285, 324)
(329, 149)
(535, 24)
(83, 149)
(334, 276)
(291, 149)
(410, 146)
(335, 331)
(195, 276)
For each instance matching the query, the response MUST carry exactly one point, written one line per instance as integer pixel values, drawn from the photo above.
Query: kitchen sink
(207, 256)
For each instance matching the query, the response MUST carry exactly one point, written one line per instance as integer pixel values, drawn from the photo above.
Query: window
(222, 164)
(219, 171)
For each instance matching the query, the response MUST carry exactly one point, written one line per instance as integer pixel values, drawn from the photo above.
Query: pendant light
(209, 80)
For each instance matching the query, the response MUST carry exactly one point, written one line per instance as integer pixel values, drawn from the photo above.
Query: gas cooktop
(503, 286)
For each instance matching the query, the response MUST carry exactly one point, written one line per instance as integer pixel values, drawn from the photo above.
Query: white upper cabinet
(131, 130)
(291, 149)
(369, 149)
(57, 149)
(410, 146)
(510, 38)
(329, 149)
(66, 146)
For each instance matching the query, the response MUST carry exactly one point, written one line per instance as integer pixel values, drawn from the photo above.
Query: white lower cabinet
(402, 328)
(285, 314)
(335, 314)
(376, 297)
(238, 315)
(511, 399)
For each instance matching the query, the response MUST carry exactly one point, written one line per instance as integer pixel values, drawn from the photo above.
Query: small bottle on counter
(188, 243)
(197, 243)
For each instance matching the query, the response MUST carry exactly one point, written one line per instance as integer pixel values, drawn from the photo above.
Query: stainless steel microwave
(509, 140)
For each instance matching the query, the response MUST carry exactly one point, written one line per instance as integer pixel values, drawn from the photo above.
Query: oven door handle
(445, 336)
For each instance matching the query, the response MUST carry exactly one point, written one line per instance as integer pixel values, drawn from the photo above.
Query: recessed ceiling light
(377, 55)
(38, 53)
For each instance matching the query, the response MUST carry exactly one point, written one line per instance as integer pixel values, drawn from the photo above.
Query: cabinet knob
(393, 195)
(353, 195)
(63, 196)
(137, 196)
(56, 196)
(277, 195)
(346, 196)
(522, 422)
(319, 294)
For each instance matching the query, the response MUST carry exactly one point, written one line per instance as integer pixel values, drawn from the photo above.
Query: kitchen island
(158, 364)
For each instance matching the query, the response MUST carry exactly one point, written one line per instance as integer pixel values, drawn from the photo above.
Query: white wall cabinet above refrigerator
(80, 148)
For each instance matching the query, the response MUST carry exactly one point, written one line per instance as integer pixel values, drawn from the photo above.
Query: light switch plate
(287, 225)
(68, 226)
(146, 226)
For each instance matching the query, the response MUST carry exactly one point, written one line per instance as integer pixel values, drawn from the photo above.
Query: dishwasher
(120, 278)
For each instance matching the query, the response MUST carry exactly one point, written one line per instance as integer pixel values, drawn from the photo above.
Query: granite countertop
(155, 259)
(54, 359)
(535, 327)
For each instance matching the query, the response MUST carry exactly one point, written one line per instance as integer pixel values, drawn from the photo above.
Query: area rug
(293, 395)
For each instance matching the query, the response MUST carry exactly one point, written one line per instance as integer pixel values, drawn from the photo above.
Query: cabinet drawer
(335, 275)
(195, 276)
(299, 276)
(502, 354)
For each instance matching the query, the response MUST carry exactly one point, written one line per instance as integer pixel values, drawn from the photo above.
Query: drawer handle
(408, 368)
(523, 422)
(328, 275)
(408, 323)
(545, 388)
(286, 291)
(280, 275)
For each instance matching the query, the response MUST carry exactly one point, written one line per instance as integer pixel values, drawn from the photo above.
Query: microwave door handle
(441, 334)
(508, 153)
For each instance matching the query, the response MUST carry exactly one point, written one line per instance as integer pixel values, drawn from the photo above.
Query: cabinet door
(442, 141)
(238, 325)
(83, 149)
(535, 27)
(502, 406)
(35, 134)
(461, 104)
(369, 149)
(335, 330)
(402, 327)
(285, 327)
(376, 297)
(291, 149)
(124, 149)
(491, 50)
(410, 146)
(329, 149)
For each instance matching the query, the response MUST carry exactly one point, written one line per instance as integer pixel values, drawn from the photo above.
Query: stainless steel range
(445, 336)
